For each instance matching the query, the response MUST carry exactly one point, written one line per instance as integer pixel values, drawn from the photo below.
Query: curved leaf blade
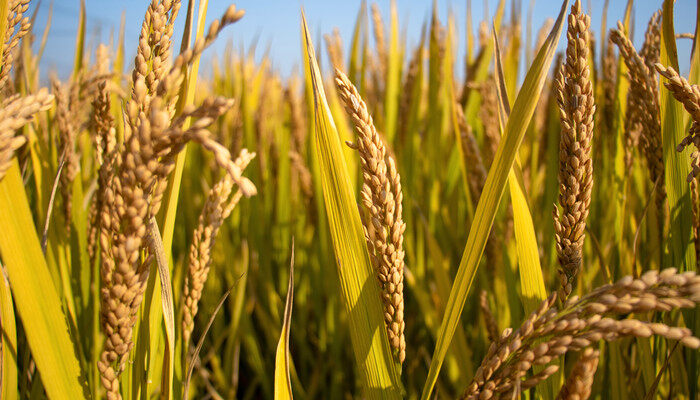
(283, 385)
(359, 289)
(485, 213)
(36, 299)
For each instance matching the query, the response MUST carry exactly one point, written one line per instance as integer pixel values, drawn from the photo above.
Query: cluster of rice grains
(132, 190)
(381, 199)
(689, 96)
(576, 109)
(643, 120)
(551, 331)
(218, 206)
(15, 110)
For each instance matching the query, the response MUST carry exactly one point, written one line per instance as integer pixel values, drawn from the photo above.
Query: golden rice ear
(218, 206)
(644, 104)
(13, 26)
(579, 324)
(382, 191)
(360, 294)
(576, 111)
(578, 384)
(16, 112)
(148, 156)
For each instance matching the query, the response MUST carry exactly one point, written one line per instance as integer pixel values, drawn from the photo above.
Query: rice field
(380, 225)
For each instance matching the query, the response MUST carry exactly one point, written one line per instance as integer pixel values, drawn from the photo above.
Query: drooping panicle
(689, 96)
(154, 136)
(15, 112)
(218, 206)
(17, 27)
(580, 323)
(643, 105)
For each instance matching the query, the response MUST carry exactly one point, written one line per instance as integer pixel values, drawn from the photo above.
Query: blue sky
(275, 23)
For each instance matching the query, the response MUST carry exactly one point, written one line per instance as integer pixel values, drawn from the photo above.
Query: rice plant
(378, 226)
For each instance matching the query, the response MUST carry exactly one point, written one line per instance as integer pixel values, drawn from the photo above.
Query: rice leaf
(677, 168)
(35, 296)
(79, 41)
(490, 198)
(283, 385)
(8, 338)
(166, 293)
(393, 78)
(354, 62)
(532, 287)
(359, 289)
(676, 163)
(694, 77)
(531, 281)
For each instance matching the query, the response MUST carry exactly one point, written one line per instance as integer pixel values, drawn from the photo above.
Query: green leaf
(8, 338)
(37, 302)
(283, 385)
(393, 78)
(79, 41)
(677, 168)
(532, 289)
(358, 285)
(486, 209)
(531, 281)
